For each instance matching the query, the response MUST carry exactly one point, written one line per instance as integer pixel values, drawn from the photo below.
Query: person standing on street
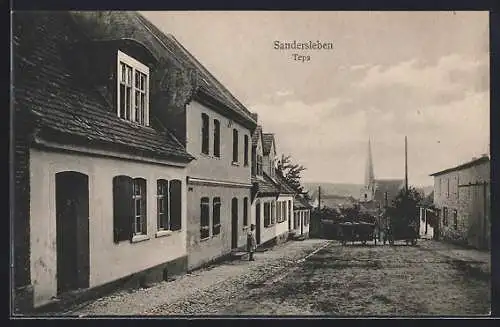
(382, 228)
(251, 242)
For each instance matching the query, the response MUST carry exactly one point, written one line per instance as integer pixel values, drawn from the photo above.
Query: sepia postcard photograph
(250, 164)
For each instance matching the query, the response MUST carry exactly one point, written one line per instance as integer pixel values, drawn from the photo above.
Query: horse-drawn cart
(357, 231)
(404, 229)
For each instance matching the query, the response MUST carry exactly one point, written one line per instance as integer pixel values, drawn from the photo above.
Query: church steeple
(369, 174)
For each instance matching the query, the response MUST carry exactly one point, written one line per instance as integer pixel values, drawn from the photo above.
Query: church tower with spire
(369, 187)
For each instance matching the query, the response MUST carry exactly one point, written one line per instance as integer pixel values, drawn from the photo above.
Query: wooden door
(234, 223)
(72, 231)
(257, 222)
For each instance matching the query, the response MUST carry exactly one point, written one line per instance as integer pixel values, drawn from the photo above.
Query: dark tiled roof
(299, 203)
(285, 188)
(66, 110)
(391, 186)
(267, 140)
(464, 166)
(266, 185)
(127, 24)
(255, 135)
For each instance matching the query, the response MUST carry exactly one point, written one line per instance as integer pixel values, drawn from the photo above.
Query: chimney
(255, 116)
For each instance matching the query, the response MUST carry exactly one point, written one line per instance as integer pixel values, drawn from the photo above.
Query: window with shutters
(216, 138)
(267, 214)
(123, 208)
(278, 212)
(245, 154)
(273, 213)
(133, 90)
(295, 220)
(235, 145)
(205, 218)
(289, 210)
(283, 211)
(216, 216)
(245, 211)
(140, 221)
(205, 139)
(175, 213)
(162, 206)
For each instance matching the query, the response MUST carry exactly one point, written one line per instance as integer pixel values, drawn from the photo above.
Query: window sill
(205, 239)
(139, 238)
(235, 163)
(136, 124)
(163, 233)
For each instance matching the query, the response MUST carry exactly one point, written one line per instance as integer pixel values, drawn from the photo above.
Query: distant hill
(340, 189)
(344, 189)
(425, 189)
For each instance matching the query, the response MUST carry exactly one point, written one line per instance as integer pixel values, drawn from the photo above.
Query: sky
(424, 75)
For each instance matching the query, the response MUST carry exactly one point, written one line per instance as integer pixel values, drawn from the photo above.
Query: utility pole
(319, 197)
(406, 165)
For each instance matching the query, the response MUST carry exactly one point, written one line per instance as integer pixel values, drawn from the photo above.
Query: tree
(350, 213)
(406, 204)
(291, 173)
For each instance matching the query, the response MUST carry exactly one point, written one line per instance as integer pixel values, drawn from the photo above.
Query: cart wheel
(414, 242)
(391, 242)
(363, 242)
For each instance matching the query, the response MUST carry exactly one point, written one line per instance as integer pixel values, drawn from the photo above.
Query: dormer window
(133, 90)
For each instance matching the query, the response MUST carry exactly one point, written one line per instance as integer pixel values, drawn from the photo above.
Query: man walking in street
(251, 242)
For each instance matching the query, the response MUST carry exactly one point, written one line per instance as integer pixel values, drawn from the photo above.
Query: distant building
(301, 217)
(380, 191)
(271, 198)
(462, 196)
(335, 201)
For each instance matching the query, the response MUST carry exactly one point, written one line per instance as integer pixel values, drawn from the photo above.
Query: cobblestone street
(319, 277)
(205, 291)
(430, 279)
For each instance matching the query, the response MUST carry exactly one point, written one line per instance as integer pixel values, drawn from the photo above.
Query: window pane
(235, 145)
(129, 75)
(123, 72)
(216, 138)
(204, 134)
(137, 79)
(137, 224)
(128, 102)
(137, 207)
(143, 108)
(122, 101)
